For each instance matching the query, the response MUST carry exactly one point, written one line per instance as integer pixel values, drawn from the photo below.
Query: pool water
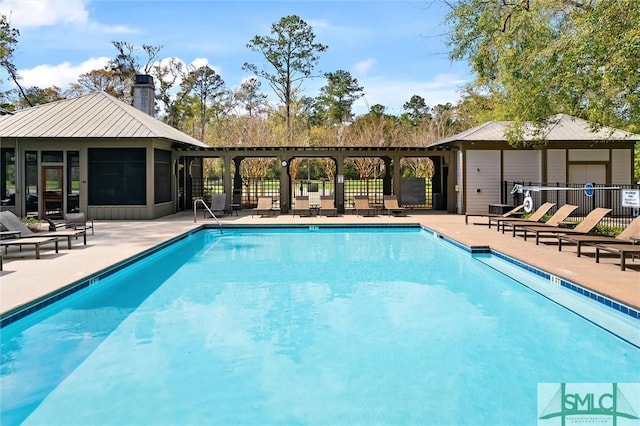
(298, 326)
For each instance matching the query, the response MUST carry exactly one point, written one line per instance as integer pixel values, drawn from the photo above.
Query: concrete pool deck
(26, 279)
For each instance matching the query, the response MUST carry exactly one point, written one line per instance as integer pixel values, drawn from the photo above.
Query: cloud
(110, 29)
(60, 75)
(31, 14)
(361, 69)
(24, 14)
(391, 93)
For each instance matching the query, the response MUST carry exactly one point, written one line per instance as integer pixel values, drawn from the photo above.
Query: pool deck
(26, 279)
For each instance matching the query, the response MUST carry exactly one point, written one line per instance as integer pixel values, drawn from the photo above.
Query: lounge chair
(516, 212)
(361, 204)
(620, 249)
(54, 225)
(632, 230)
(583, 228)
(301, 207)
(327, 206)
(265, 207)
(218, 204)
(535, 217)
(390, 204)
(553, 222)
(30, 241)
(78, 221)
(13, 223)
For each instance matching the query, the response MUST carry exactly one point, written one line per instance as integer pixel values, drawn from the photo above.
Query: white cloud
(29, 14)
(47, 13)
(110, 29)
(200, 62)
(60, 75)
(362, 68)
(393, 94)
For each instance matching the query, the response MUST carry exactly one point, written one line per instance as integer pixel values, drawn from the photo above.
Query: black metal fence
(586, 197)
(252, 188)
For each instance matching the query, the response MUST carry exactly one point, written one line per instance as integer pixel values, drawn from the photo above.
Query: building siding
(522, 166)
(483, 179)
(621, 170)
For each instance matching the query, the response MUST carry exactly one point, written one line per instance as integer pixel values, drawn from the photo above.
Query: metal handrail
(195, 210)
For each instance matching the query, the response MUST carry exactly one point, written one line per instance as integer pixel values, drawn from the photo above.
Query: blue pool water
(324, 327)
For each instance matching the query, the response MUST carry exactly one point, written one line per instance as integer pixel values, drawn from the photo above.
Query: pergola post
(226, 178)
(237, 183)
(339, 182)
(386, 179)
(396, 177)
(285, 185)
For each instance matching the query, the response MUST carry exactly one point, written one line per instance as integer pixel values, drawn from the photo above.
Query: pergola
(441, 156)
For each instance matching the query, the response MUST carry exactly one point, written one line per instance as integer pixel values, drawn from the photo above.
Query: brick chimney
(144, 95)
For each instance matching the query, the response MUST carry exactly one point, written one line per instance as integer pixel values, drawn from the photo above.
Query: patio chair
(218, 205)
(327, 206)
(78, 221)
(621, 250)
(625, 237)
(535, 217)
(583, 228)
(516, 212)
(301, 207)
(13, 223)
(264, 207)
(553, 222)
(361, 204)
(390, 203)
(30, 241)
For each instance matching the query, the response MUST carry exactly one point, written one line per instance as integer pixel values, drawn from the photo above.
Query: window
(31, 182)
(8, 177)
(162, 175)
(73, 182)
(117, 176)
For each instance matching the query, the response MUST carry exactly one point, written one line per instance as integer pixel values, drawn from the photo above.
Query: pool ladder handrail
(195, 211)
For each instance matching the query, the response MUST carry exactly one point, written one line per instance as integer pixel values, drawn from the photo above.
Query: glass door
(52, 187)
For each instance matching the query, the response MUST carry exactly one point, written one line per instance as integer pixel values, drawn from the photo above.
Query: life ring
(528, 204)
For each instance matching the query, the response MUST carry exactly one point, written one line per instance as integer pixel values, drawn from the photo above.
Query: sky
(395, 49)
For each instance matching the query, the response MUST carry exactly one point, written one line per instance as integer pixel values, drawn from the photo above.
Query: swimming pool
(305, 326)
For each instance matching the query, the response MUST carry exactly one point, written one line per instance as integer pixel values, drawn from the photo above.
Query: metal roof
(561, 127)
(96, 115)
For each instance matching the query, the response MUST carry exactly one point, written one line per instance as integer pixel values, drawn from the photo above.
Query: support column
(285, 185)
(236, 200)
(226, 179)
(339, 183)
(175, 160)
(386, 179)
(397, 187)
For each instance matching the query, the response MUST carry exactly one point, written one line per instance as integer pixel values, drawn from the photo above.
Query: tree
(417, 110)
(540, 58)
(165, 75)
(100, 80)
(208, 93)
(293, 54)
(127, 64)
(33, 96)
(8, 43)
(338, 96)
(248, 96)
